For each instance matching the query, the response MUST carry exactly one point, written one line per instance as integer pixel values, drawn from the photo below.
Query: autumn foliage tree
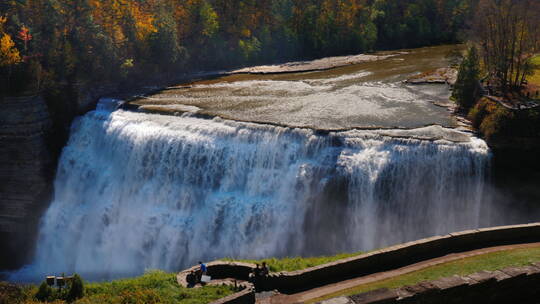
(508, 32)
(9, 57)
(61, 42)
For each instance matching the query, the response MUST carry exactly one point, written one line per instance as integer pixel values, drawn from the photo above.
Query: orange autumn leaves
(9, 54)
(117, 17)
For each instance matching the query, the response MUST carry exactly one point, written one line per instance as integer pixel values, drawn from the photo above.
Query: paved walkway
(344, 285)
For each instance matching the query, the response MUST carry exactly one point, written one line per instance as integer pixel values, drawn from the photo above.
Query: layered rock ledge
(26, 171)
(310, 66)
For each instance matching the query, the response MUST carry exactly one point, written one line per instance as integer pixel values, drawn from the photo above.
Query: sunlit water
(365, 95)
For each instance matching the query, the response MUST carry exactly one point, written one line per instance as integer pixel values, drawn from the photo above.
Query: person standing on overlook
(203, 268)
(202, 271)
(265, 271)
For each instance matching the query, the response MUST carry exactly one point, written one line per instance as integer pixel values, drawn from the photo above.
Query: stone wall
(401, 255)
(220, 270)
(246, 296)
(382, 260)
(509, 285)
(223, 270)
(26, 171)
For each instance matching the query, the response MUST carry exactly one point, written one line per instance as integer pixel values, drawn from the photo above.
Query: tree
(76, 289)
(165, 45)
(209, 20)
(51, 43)
(509, 35)
(9, 57)
(467, 81)
(44, 293)
(25, 36)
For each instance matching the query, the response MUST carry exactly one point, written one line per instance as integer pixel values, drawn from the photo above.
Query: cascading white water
(140, 191)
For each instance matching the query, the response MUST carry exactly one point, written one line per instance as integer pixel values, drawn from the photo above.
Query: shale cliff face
(26, 171)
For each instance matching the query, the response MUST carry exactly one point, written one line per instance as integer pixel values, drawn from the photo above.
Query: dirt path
(340, 286)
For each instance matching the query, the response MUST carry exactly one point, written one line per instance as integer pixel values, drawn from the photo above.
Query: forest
(46, 43)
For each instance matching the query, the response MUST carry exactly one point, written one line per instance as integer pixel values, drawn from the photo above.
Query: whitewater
(138, 191)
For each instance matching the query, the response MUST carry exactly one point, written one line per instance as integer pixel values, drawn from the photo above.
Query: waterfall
(140, 191)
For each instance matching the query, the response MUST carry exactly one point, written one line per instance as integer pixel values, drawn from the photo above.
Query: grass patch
(297, 263)
(536, 59)
(154, 287)
(535, 79)
(490, 261)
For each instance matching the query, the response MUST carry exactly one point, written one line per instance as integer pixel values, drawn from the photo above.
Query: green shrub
(297, 263)
(154, 287)
(76, 289)
(477, 114)
(45, 293)
(496, 123)
(10, 294)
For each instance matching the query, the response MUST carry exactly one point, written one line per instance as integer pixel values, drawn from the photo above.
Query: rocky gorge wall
(33, 130)
(26, 172)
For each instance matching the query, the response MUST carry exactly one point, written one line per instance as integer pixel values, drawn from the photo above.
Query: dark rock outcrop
(26, 172)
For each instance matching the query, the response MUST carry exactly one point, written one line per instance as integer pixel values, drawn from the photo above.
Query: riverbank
(314, 65)
(505, 129)
(438, 76)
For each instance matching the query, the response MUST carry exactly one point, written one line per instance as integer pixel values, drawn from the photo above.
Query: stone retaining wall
(223, 270)
(384, 259)
(220, 270)
(246, 296)
(509, 285)
(401, 255)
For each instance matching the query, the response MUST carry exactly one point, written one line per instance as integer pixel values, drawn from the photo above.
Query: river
(367, 95)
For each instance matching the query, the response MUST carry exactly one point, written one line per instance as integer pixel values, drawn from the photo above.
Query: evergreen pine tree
(468, 76)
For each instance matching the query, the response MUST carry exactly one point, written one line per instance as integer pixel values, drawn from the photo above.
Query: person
(202, 268)
(192, 279)
(254, 275)
(264, 270)
(257, 271)
(202, 271)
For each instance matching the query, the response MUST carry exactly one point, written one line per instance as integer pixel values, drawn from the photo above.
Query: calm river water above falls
(365, 95)
(136, 191)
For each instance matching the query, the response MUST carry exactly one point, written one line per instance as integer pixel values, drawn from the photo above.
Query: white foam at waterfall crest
(139, 191)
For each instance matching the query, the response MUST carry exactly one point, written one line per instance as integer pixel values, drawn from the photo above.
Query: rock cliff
(26, 171)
